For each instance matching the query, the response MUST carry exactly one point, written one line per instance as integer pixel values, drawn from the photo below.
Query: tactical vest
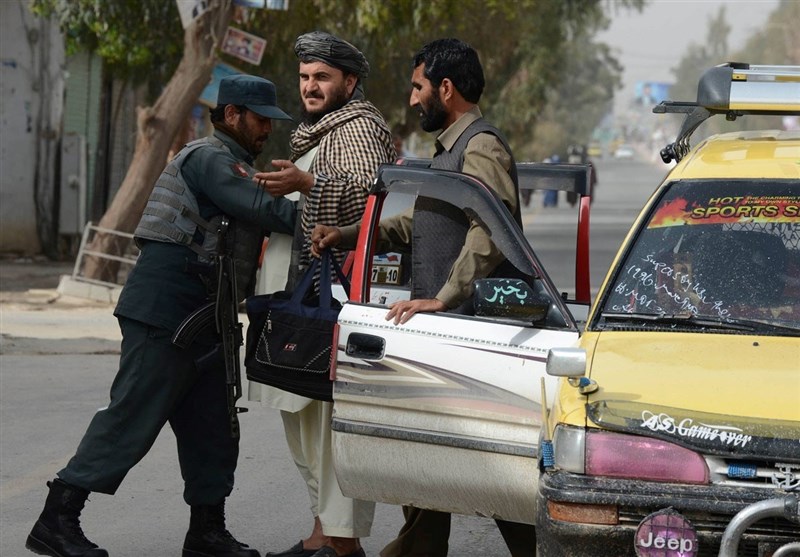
(172, 215)
(440, 229)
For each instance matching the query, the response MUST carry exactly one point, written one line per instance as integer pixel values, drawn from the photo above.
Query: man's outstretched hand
(405, 310)
(285, 180)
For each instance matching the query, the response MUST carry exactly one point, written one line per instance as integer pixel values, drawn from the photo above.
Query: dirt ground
(21, 274)
(31, 284)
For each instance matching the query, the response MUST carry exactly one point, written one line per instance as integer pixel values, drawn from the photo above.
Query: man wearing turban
(336, 151)
(448, 249)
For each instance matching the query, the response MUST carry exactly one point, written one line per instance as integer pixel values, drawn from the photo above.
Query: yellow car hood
(754, 376)
(713, 391)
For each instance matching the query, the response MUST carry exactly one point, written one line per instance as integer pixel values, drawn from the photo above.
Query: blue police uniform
(159, 382)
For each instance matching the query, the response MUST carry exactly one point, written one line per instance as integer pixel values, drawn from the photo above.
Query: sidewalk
(35, 318)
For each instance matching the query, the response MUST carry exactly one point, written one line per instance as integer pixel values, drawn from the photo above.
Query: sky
(650, 43)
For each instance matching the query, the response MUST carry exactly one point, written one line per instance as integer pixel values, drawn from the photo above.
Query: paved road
(57, 361)
(624, 187)
(58, 357)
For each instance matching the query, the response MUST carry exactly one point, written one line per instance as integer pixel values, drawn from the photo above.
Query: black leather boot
(58, 531)
(208, 537)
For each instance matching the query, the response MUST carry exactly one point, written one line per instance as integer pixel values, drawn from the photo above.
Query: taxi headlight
(616, 455)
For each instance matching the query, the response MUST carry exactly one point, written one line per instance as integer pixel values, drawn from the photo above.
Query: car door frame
(413, 426)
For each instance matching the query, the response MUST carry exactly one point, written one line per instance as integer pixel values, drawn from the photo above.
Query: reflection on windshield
(722, 251)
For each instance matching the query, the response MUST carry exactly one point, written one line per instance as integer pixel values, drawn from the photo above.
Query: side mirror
(566, 362)
(510, 299)
(570, 363)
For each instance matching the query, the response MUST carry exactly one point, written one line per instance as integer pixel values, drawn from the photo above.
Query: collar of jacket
(449, 136)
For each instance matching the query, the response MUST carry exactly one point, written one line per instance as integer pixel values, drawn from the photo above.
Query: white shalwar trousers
(308, 433)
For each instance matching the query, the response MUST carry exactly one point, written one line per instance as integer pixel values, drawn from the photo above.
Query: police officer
(157, 381)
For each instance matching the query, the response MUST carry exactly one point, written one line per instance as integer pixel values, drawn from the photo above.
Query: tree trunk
(156, 128)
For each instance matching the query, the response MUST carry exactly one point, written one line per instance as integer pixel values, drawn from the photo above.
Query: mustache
(313, 95)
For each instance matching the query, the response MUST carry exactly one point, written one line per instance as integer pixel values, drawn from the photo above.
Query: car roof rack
(733, 89)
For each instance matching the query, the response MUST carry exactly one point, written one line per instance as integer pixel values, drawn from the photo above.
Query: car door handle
(368, 347)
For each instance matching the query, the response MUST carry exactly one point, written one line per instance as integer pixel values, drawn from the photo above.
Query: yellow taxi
(680, 405)
(595, 150)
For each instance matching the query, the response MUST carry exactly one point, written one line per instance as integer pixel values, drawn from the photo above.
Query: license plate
(386, 274)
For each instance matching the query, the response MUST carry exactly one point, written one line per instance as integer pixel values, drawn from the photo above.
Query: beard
(434, 115)
(248, 139)
(337, 99)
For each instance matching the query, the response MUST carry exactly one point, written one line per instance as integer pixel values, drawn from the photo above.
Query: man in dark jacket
(157, 381)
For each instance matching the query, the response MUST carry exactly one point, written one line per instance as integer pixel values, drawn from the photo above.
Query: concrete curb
(71, 286)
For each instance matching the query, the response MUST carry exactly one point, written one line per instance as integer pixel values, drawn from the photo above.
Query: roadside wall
(31, 106)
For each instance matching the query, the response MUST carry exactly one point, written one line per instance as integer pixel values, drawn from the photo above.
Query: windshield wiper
(683, 319)
(737, 324)
(761, 323)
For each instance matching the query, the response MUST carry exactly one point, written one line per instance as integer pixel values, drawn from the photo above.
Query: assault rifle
(224, 313)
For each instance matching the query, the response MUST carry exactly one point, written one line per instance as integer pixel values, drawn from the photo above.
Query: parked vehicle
(444, 412)
(680, 405)
(595, 150)
(624, 151)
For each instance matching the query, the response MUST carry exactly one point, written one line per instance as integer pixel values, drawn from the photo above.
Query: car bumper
(709, 509)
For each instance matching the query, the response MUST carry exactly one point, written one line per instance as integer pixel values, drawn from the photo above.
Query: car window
(725, 251)
(462, 199)
(390, 276)
(392, 272)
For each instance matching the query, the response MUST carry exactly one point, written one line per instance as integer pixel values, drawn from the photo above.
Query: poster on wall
(244, 46)
(650, 93)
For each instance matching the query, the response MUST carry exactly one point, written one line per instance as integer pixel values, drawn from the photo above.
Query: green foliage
(777, 43)
(580, 101)
(531, 50)
(139, 40)
(523, 47)
(699, 57)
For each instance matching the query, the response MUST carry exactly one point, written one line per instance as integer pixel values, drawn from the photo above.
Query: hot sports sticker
(727, 210)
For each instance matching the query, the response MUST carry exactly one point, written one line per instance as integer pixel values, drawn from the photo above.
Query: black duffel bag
(290, 335)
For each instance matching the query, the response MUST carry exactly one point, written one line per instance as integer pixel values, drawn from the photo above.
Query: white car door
(445, 411)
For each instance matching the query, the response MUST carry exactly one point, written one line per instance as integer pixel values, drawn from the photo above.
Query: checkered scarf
(353, 141)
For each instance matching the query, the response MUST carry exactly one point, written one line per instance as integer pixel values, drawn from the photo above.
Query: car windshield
(713, 256)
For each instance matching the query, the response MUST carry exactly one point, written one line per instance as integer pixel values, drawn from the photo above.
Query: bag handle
(325, 286)
(324, 263)
(343, 280)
